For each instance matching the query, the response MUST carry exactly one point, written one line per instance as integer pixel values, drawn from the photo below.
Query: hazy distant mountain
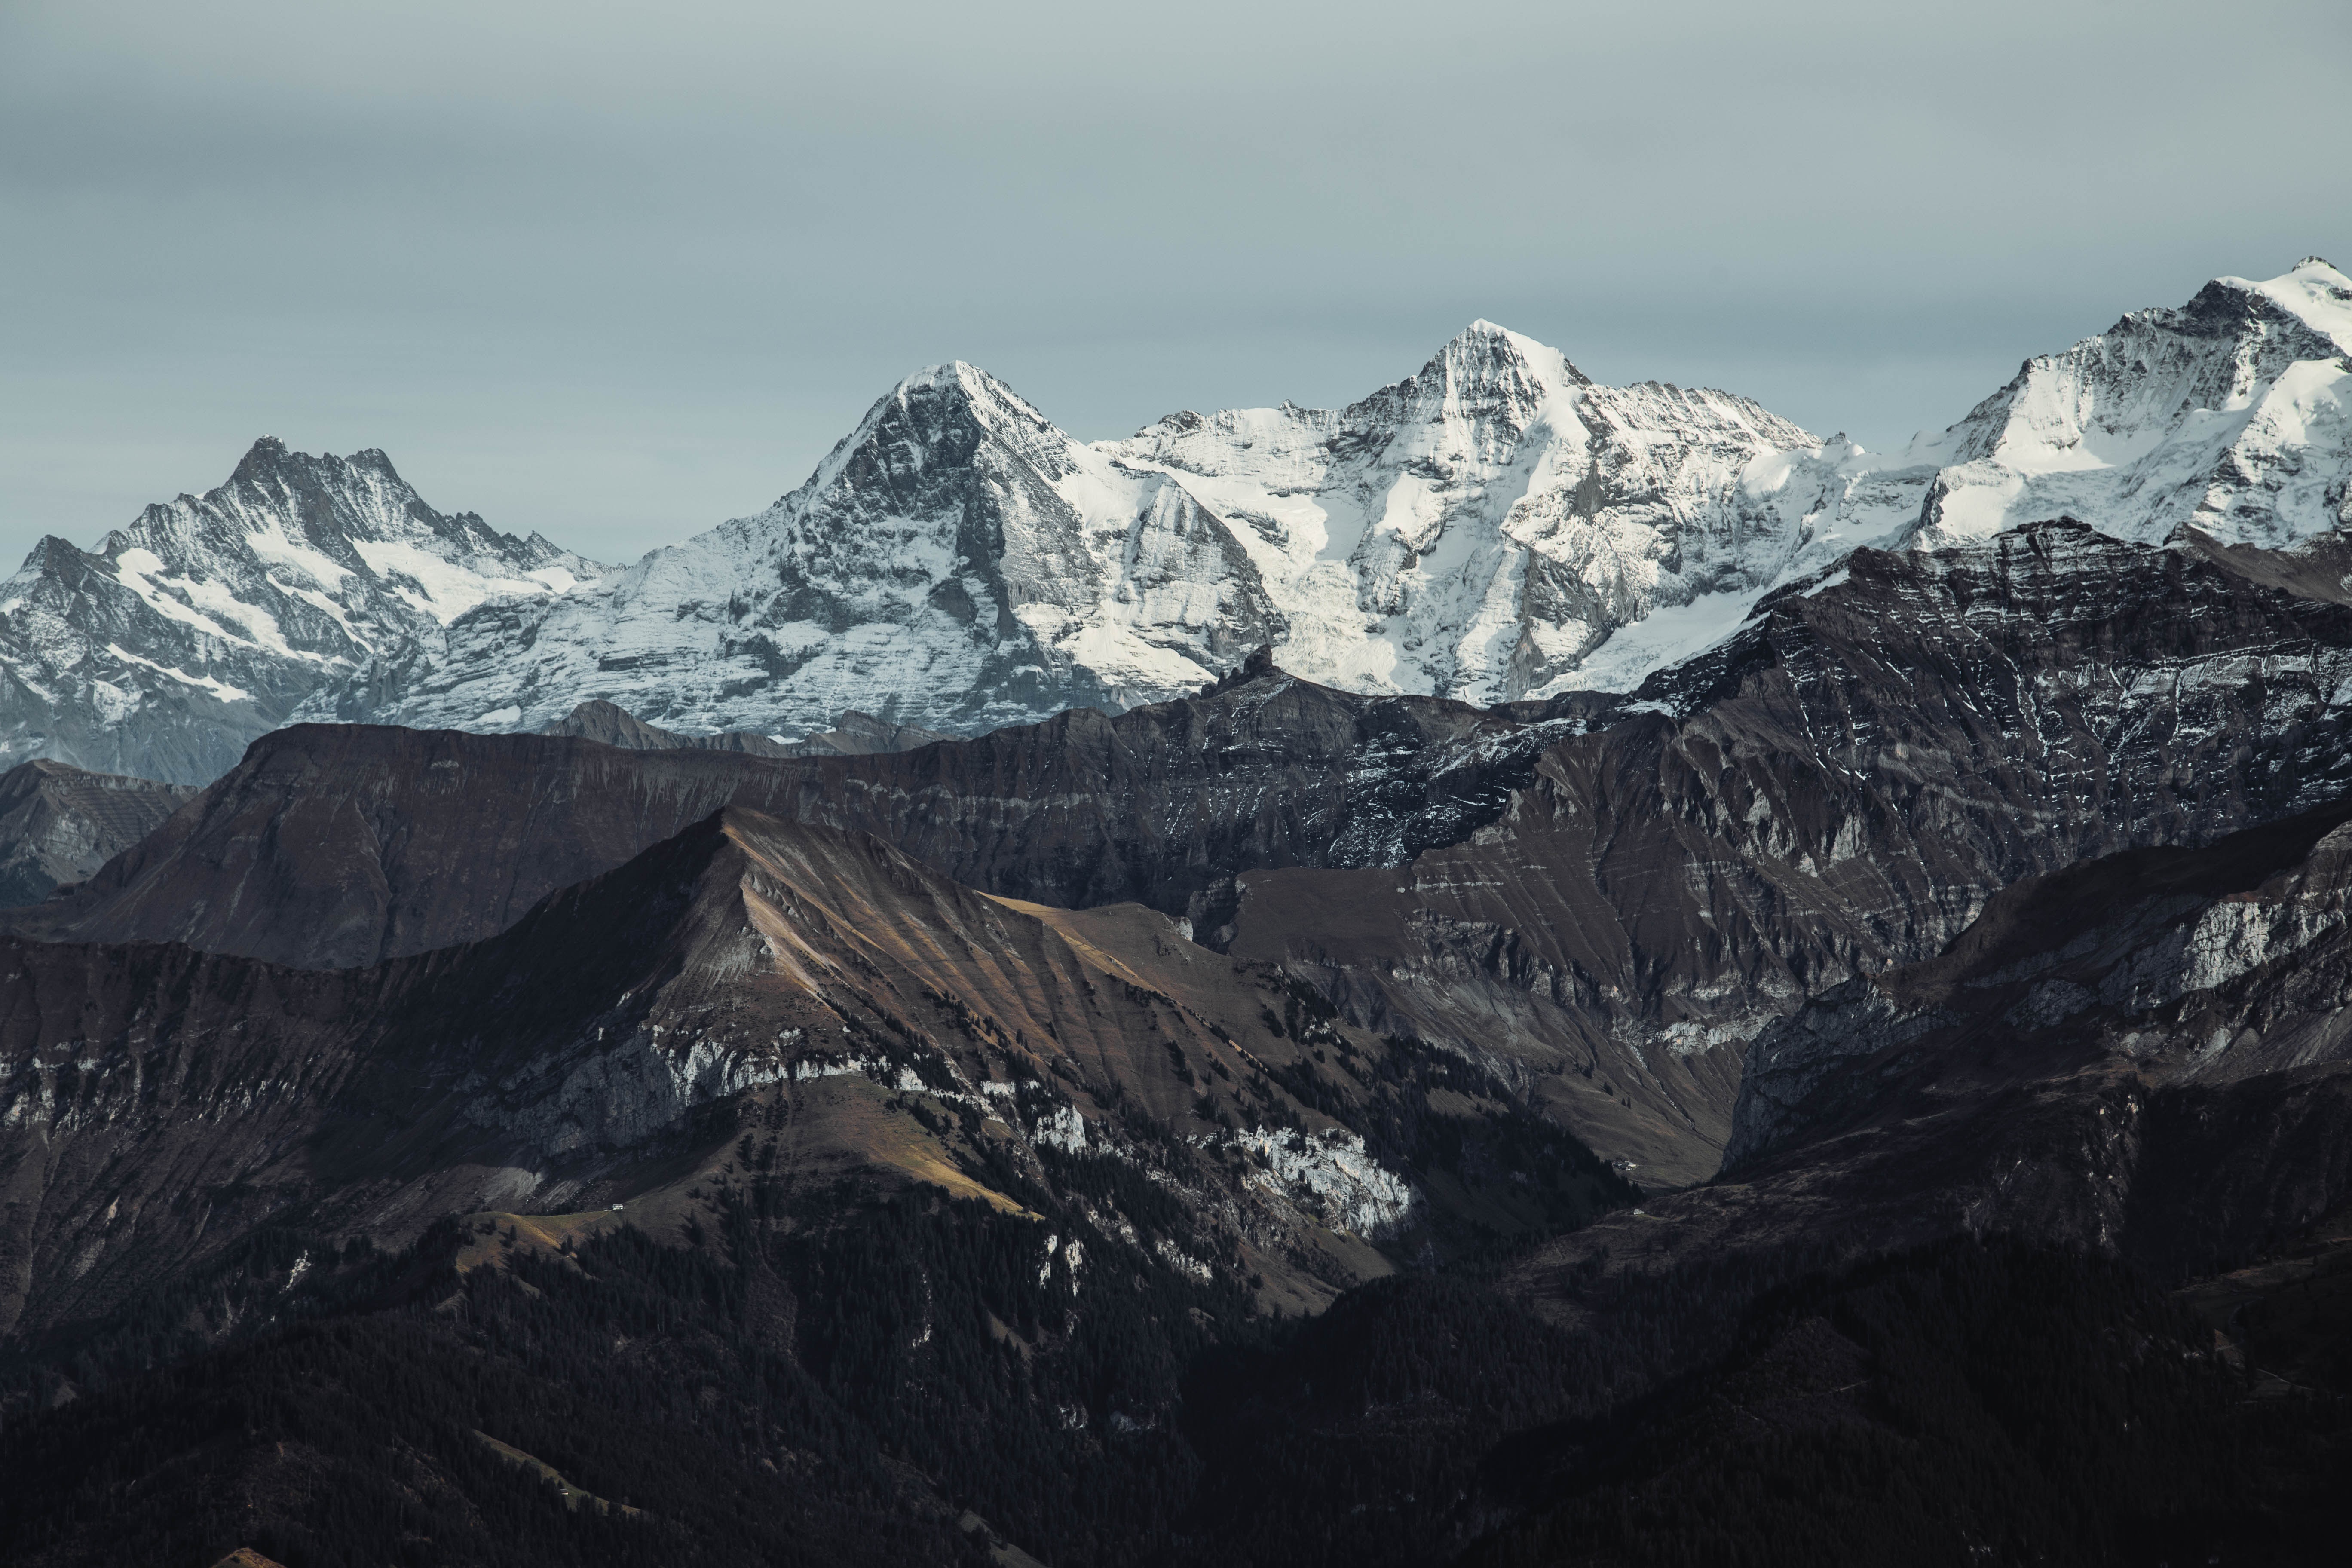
(203, 623)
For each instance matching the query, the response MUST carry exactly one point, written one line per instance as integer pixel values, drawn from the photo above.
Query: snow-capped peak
(296, 570)
(2231, 415)
(2314, 292)
(1491, 526)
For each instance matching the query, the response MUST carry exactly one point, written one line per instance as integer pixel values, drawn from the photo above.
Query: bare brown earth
(750, 989)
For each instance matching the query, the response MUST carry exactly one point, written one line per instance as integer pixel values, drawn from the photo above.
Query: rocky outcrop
(2206, 966)
(59, 825)
(2148, 1056)
(853, 734)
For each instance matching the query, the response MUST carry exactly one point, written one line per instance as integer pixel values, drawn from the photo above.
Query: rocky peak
(203, 622)
(1484, 390)
(260, 459)
(2230, 417)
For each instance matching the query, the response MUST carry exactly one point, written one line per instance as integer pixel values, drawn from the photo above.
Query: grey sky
(616, 272)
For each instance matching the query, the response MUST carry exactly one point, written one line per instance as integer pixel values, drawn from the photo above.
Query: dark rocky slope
(2148, 1057)
(860, 1015)
(1837, 789)
(58, 824)
(853, 734)
(342, 845)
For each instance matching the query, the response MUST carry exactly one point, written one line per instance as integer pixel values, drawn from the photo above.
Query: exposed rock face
(827, 977)
(205, 622)
(855, 735)
(333, 844)
(2205, 966)
(2148, 1056)
(1836, 790)
(58, 825)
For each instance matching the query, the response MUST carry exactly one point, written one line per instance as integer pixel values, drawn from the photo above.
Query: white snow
(2160, 423)
(202, 604)
(443, 589)
(220, 689)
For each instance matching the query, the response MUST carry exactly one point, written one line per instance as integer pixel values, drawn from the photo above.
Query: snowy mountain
(1475, 531)
(956, 563)
(1495, 526)
(1479, 529)
(2231, 415)
(202, 624)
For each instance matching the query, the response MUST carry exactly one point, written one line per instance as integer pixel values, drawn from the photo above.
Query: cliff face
(58, 824)
(2146, 1055)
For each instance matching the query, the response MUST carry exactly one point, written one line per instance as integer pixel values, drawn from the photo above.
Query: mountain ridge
(1494, 527)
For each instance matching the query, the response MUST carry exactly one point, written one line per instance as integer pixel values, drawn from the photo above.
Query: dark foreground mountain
(960, 1225)
(2146, 1060)
(1072, 1149)
(849, 1010)
(58, 825)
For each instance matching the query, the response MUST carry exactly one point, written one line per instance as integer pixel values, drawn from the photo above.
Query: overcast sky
(617, 272)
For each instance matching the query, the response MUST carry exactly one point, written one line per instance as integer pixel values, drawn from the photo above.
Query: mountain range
(1494, 528)
(1522, 971)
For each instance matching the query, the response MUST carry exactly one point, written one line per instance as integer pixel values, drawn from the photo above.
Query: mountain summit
(201, 624)
(2230, 417)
